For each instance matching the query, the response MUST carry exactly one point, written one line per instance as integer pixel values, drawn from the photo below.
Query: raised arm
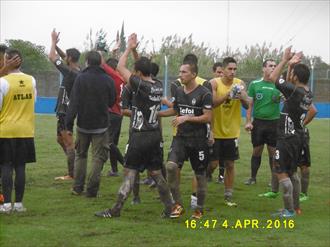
(52, 53)
(121, 67)
(278, 69)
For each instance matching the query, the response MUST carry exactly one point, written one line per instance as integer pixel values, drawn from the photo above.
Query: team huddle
(206, 126)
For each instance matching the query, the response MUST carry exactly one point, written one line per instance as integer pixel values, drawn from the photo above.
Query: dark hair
(227, 61)
(154, 69)
(112, 62)
(12, 53)
(302, 72)
(143, 65)
(74, 54)
(264, 64)
(93, 58)
(3, 48)
(190, 58)
(193, 67)
(216, 65)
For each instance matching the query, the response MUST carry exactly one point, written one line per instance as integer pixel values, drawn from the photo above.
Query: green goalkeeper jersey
(266, 100)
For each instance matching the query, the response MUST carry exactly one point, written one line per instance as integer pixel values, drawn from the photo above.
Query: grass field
(56, 218)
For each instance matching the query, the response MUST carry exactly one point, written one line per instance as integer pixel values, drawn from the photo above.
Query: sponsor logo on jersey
(193, 102)
(186, 111)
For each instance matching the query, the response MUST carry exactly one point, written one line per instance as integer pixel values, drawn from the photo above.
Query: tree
(35, 59)
(122, 39)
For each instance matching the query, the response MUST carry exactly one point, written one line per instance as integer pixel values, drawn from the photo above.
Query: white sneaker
(193, 202)
(5, 208)
(18, 207)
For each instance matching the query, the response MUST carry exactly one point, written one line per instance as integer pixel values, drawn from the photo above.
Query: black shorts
(60, 125)
(225, 149)
(195, 149)
(143, 151)
(17, 150)
(264, 132)
(305, 156)
(114, 127)
(287, 154)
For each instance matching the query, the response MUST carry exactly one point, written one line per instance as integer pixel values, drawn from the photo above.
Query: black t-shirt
(192, 104)
(69, 77)
(296, 104)
(126, 97)
(145, 104)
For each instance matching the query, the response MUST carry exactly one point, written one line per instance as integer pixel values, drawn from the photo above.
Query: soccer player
(69, 72)
(290, 128)
(17, 98)
(217, 72)
(265, 105)
(143, 150)
(191, 58)
(92, 94)
(305, 157)
(192, 108)
(115, 116)
(229, 95)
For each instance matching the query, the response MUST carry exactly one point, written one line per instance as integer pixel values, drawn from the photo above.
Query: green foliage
(35, 59)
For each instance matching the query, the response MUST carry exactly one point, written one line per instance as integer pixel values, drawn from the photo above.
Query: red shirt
(119, 84)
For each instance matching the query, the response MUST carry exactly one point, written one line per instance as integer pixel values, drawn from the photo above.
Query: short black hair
(216, 65)
(3, 49)
(143, 65)
(192, 58)
(302, 72)
(10, 53)
(154, 69)
(93, 58)
(193, 67)
(112, 62)
(74, 54)
(264, 64)
(228, 60)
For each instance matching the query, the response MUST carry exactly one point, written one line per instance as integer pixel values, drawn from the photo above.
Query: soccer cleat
(193, 202)
(136, 201)
(108, 213)
(152, 184)
(64, 178)
(165, 214)
(269, 194)
(147, 181)
(113, 174)
(250, 181)
(284, 213)
(177, 211)
(230, 203)
(18, 207)
(2, 199)
(221, 180)
(303, 197)
(198, 214)
(5, 208)
(298, 211)
(76, 193)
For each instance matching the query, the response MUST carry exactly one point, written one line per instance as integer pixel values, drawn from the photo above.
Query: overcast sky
(303, 24)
